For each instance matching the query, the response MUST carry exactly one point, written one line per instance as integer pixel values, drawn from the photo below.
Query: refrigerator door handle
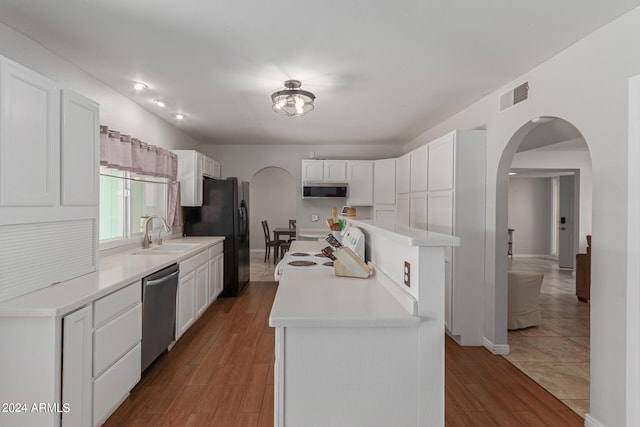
(244, 220)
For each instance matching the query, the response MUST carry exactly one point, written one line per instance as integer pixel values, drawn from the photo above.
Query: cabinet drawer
(215, 250)
(110, 306)
(112, 387)
(115, 338)
(192, 263)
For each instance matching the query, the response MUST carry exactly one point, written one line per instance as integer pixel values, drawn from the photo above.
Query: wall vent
(514, 96)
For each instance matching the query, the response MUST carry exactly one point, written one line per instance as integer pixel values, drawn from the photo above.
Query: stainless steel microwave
(322, 190)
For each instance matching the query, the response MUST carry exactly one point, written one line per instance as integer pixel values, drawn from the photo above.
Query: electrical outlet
(312, 154)
(407, 274)
(314, 217)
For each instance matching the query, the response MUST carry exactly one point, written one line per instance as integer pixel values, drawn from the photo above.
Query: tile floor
(556, 353)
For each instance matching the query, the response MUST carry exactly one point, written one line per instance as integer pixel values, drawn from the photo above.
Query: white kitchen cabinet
(384, 182)
(48, 213)
(335, 171)
(29, 138)
(192, 291)
(418, 210)
(402, 209)
(202, 288)
(216, 280)
(456, 205)
(360, 180)
(418, 159)
(77, 379)
(384, 214)
(80, 150)
(116, 349)
(441, 163)
(312, 171)
(190, 173)
(403, 174)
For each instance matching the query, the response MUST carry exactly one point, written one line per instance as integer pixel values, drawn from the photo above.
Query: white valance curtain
(122, 152)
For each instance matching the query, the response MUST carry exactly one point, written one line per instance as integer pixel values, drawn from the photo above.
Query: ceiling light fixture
(292, 101)
(179, 116)
(513, 173)
(159, 102)
(139, 86)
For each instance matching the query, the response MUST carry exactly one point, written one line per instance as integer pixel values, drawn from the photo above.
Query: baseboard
(589, 421)
(544, 256)
(497, 349)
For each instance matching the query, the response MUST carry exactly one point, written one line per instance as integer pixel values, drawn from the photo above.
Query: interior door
(566, 252)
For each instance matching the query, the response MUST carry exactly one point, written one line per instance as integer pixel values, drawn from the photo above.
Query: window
(126, 201)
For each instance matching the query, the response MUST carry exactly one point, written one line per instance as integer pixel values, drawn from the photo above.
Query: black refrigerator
(224, 212)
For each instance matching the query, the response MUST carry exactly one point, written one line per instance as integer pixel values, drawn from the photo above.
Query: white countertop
(318, 298)
(407, 235)
(312, 233)
(115, 272)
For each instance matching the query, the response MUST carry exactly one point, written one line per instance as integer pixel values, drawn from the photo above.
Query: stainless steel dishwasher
(158, 313)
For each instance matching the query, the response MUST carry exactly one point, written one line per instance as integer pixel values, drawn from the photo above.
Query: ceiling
(382, 71)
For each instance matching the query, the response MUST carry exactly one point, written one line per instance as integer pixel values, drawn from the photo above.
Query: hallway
(556, 353)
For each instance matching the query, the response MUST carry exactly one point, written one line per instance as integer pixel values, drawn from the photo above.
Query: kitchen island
(364, 352)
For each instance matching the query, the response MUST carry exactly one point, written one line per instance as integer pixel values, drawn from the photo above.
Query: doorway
(553, 167)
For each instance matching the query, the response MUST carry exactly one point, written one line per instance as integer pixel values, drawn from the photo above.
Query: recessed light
(513, 173)
(179, 116)
(541, 119)
(140, 86)
(159, 102)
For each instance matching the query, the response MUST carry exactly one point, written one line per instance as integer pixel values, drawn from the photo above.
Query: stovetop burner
(328, 263)
(299, 254)
(320, 255)
(302, 263)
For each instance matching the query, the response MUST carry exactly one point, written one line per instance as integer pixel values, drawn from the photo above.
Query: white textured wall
(530, 215)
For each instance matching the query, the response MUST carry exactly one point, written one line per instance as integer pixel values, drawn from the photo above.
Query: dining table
(279, 232)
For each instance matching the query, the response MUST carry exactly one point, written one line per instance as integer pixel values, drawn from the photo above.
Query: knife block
(348, 264)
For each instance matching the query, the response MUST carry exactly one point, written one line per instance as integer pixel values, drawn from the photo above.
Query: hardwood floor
(220, 373)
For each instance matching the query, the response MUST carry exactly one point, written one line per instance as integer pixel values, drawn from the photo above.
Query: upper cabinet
(403, 174)
(29, 138)
(335, 171)
(312, 171)
(384, 181)
(441, 163)
(360, 180)
(80, 154)
(419, 169)
(192, 167)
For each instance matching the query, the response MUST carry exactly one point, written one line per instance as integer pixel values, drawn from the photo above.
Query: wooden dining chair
(292, 226)
(269, 242)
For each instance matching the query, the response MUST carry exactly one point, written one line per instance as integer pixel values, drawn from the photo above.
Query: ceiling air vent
(514, 96)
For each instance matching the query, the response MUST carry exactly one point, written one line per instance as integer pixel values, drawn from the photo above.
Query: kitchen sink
(168, 249)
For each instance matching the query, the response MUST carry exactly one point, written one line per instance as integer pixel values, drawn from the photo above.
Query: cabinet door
(216, 169)
(403, 173)
(29, 138)
(80, 150)
(77, 388)
(211, 282)
(360, 180)
(419, 169)
(418, 210)
(202, 287)
(219, 273)
(312, 171)
(441, 163)
(402, 209)
(384, 181)
(335, 171)
(186, 305)
(440, 213)
(386, 215)
(207, 166)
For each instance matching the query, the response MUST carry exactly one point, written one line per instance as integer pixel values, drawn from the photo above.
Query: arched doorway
(272, 198)
(543, 153)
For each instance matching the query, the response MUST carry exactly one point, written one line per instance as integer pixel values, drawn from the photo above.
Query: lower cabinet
(202, 288)
(185, 302)
(116, 349)
(216, 271)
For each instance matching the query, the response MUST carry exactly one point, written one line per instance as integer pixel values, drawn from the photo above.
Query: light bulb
(159, 102)
(140, 86)
(179, 116)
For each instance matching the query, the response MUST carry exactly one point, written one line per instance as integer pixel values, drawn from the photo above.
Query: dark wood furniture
(268, 243)
(281, 243)
(583, 274)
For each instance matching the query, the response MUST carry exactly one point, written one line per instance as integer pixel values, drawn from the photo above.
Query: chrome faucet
(146, 242)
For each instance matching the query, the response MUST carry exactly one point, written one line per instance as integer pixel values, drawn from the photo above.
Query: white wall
(586, 85)
(530, 215)
(116, 111)
(550, 158)
(272, 197)
(245, 160)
